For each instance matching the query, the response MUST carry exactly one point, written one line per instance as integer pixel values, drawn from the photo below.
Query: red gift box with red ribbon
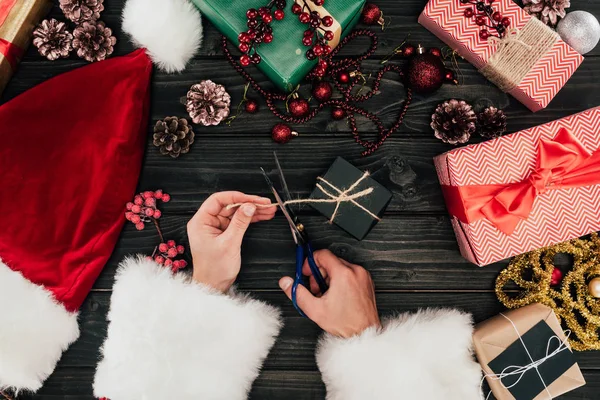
(18, 19)
(524, 191)
(525, 58)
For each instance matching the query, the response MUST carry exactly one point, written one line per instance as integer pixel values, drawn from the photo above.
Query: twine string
(520, 370)
(342, 196)
(513, 35)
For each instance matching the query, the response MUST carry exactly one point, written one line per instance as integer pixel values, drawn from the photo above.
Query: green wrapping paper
(283, 60)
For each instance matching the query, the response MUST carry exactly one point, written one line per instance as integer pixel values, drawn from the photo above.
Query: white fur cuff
(170, 338)
(424, 356)
(34, 332)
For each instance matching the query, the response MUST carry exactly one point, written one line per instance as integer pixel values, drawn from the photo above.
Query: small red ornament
(322, 91)
(435, 51)
(251, 106)
(344, 77)
(372, 15)
(282, 133)
(408, 50)
(557, 276)
(451, 77)
(425, 72)
(338, 113)
(299, 107)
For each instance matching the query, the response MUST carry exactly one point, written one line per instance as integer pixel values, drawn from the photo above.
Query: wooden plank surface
(412, 254)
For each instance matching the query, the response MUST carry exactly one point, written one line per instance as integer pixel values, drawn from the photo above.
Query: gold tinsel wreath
(577, 309)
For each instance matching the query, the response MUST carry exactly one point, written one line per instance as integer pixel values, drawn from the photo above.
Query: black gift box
(349, 216)
(538, 343)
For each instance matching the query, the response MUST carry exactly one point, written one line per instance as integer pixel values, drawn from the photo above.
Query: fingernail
(285, 283)
(249, 209)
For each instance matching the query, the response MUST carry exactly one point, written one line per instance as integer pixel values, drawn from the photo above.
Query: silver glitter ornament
(580, 30)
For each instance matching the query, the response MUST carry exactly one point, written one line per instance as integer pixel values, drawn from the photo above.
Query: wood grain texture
(412, 253)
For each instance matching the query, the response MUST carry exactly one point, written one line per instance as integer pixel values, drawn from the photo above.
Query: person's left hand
(216, 234)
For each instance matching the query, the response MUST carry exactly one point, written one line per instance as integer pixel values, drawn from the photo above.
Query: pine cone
(547, 11)
(173, 136)
(82, 10)
(52, 39)
(491, 123)
(454, 121)
(93, 41)
(208, 103)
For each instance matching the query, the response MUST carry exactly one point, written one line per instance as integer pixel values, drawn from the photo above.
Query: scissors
(304, 249)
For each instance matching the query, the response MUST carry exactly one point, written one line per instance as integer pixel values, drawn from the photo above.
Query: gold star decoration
(571, 300)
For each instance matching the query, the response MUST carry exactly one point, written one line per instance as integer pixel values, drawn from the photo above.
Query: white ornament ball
(580, 30)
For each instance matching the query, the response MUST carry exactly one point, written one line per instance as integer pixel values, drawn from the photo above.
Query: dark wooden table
(412, 253)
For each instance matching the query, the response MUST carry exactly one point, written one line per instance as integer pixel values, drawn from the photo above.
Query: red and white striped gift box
(445, 18)
(556, 216)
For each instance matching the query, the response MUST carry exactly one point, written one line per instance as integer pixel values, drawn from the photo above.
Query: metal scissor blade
(284, 185)
(295, 233)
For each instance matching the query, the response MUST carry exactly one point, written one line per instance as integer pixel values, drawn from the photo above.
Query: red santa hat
(70, 158)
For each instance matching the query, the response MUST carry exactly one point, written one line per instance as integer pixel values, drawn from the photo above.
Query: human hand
(215, 234)
(348, 307)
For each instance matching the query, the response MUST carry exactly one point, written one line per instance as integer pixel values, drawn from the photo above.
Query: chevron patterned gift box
(531, 62)
(524, 191)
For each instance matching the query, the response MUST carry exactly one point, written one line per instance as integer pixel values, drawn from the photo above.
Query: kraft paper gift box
(524, 191)
(18, 19)
(536, 336)
(532, 64)
(283, 60)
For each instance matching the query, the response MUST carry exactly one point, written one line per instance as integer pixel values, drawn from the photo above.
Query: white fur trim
(170, 30)
(424, 356)
(34, 332)
(170, 338)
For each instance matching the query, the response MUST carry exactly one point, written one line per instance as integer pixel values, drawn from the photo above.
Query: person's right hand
(348, 307)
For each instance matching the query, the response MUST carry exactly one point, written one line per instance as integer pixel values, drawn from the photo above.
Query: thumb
(305, 299)
(239, 224)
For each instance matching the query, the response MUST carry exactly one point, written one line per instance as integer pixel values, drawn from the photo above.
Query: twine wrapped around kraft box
(531, 62)
(18, 19)
(524, 191)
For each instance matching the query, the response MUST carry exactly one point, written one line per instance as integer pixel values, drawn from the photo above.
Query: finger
(314, 286)
(306, 271)
(259, 218)
(217, 203)
(306, 301)
(234, 234)
(329, 262)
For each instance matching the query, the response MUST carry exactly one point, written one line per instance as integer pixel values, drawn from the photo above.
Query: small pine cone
(208, 103)
(173, 136)
(52, 39)
(454, 121)
(547, 11)
(491, 123)
(82, 10)
(93, 41)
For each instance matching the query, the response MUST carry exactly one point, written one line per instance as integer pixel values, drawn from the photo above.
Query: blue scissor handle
(299, 279)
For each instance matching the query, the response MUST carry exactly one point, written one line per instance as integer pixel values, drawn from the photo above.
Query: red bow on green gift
(562, 163)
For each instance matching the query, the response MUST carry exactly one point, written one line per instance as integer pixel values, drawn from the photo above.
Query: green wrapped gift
(283, 60)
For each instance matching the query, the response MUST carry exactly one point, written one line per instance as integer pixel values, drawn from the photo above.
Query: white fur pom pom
(170, 30)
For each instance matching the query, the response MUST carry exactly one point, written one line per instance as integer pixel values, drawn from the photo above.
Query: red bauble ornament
(557, 276)
(282, 133)
(425, 72)
(408, 50)
(299, 107)
(343, 77)
(338, 113)
(435, 51)
(322, 91)
(372, 15)
(251, 106)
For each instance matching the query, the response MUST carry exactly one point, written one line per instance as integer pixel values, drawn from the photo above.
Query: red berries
(143, 208)
(279, 15)
(304, 17)
(327, 21)
(165, 255)
(259, 30)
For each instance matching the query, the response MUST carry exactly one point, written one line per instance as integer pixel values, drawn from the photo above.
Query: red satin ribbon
(12, 52)
(562, 163)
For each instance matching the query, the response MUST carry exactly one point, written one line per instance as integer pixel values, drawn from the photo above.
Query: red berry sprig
(491, 22)
(317, 36)
(166, 253)
(143, 209)
(259, 30)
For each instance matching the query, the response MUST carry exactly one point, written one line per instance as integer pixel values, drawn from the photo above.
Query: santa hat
(70, 158)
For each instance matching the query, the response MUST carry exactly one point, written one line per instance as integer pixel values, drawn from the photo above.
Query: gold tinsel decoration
(577, 309)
